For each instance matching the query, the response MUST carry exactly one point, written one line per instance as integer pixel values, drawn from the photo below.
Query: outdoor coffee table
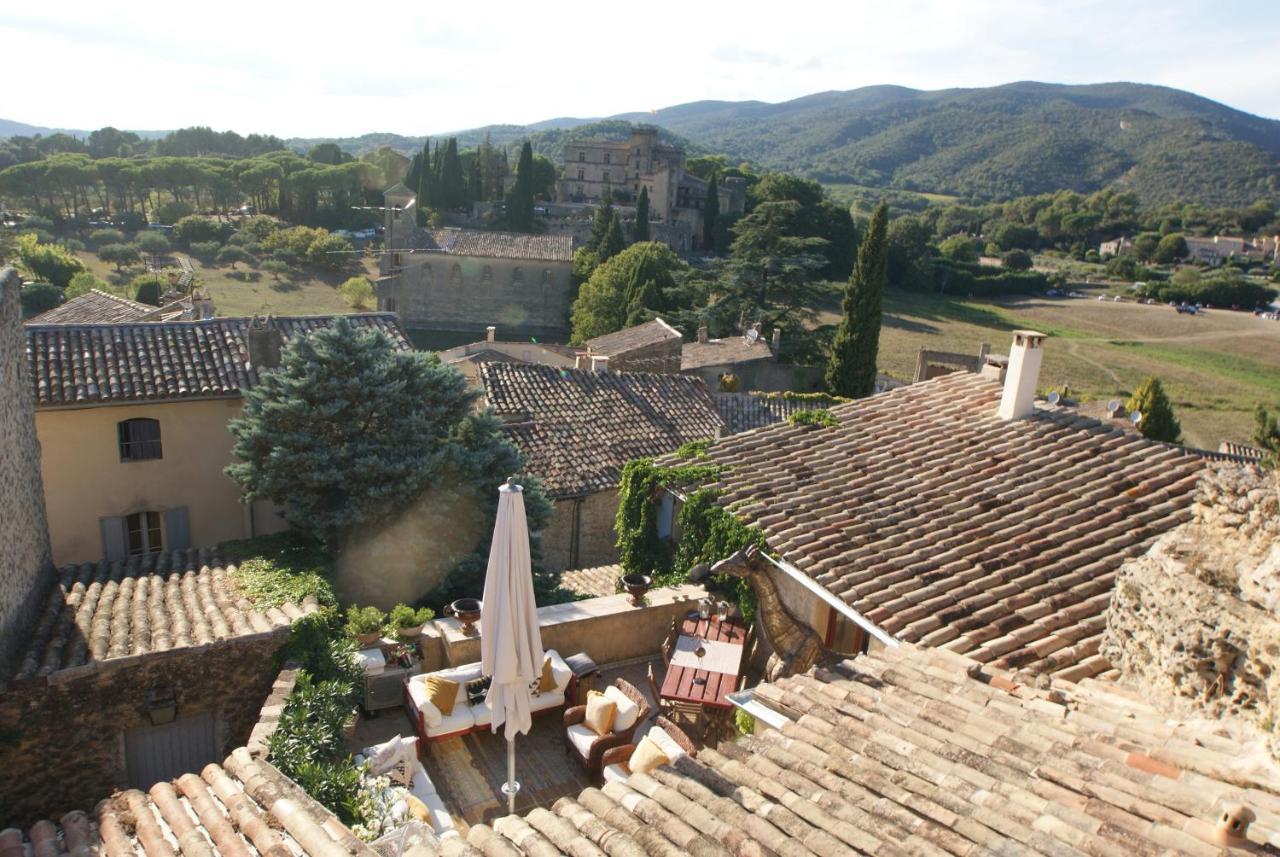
(708, 680)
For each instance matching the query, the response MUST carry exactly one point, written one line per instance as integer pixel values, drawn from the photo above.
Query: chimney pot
(599, 363)
(490, 333)
(264, 342)
(703, 335)
(1023, 374)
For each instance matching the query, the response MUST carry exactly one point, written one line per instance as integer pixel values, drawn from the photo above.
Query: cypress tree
(520, 201)
(613, 242)
(851, 369)
(711, 213)
(452, 192)
(642, 215)
(600, 222)
(475, 184)
(425, 200)
(1158, 421)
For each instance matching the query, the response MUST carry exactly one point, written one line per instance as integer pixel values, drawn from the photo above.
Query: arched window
(486, 276)
(455, 276)
(139, 439)
(517, 277)
(428, 276)
(546, 276)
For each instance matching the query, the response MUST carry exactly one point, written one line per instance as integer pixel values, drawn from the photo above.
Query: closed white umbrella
(510, 642)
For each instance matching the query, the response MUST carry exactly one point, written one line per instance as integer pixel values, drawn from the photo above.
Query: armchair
(586, 745)
(673, 741)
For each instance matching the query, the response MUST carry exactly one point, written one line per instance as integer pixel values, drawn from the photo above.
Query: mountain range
(978, 144)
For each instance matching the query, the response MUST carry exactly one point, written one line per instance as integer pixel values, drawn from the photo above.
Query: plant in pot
(365, 624)
(408, 621)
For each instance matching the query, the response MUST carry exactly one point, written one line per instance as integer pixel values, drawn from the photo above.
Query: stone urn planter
(364, 641)
(466, 611)
(636, 586)
(411, 633)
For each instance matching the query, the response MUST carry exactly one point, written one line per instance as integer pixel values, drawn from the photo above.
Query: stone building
(577, 429)
(468, 358)
(654, 346)
(750, 359)
(133, 422)
(25, 566)
(465, 279)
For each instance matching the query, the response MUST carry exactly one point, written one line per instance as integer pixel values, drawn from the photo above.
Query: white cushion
(628, 711)
(372, 661)
(665, 743)
(459, 721)
(615, 774)
(482, 714)
(441, 821)
(581, 737)
(396, 758)
(418, 696)
(560, 671)
(422, 787)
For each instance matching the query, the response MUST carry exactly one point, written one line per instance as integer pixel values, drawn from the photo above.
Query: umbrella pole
(511, 787)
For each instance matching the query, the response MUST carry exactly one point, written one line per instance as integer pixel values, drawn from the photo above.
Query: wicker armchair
(621, 755)
(592, 758)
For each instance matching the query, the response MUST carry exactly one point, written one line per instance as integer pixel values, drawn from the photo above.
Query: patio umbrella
(510, 643)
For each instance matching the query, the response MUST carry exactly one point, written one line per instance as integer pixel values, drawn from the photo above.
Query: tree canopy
(851, 370)
(1158, 421)
(624, 290)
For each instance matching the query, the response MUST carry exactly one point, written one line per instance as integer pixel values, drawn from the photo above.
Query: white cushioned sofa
(432, 725)
(423, 789)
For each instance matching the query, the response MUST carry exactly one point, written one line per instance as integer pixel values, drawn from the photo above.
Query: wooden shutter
(114, 538)
(177, 529)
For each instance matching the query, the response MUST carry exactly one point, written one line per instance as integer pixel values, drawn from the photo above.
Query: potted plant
(408, 621)
(365, 624)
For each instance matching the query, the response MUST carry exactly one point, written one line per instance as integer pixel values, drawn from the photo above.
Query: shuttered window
(139, 439)
(145, 532)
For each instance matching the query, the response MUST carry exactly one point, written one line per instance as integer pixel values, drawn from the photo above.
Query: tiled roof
(745, 411)
(945, 525)
(576, 428)
(105, 610)
(96, 364)
(922, 752)
(500, 245)
(630, 338)
(243, 807)
(595, 582)
(722, 352)
(95, 307)
(1240, 450)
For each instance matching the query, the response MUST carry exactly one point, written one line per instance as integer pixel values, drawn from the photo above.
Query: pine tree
(1158, 421)
(613, 242)
(851, 369)
(425, 194)
(710, 214)
(642, 215)
(453, 193)
(520, 201)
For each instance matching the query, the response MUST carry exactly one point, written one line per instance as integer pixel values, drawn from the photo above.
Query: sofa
(423, 789)
(432, 725)
(632, 709)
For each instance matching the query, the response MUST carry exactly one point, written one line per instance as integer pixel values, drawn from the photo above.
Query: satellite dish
(1135, 417)
(1112, 407)
(1054, 398)
(752, 334)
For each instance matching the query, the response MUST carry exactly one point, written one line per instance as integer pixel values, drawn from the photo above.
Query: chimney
(264, 342)
(702, 333)
(490, 333)
(1025, 356)
(777, 340)
(599, 363)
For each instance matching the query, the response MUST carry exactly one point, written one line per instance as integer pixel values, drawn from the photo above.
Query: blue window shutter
(666, 513)
(177, 529)
(114, 539)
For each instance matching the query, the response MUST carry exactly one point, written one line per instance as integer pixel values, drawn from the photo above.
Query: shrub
(1158, 421)
(364, 620)
(39, 297)
(1017, 260)
(152, 243)
(82, 283)
(130, 221)
(205, 251)
(404, 616)
(47, 262)
(171, 212)
(231, 255)
(329, 251)
(72, 245)
(194, 228)
(959, 248)
(813, 418)
(357, 292)
(148, 288)
(285, 567)
(118, 255)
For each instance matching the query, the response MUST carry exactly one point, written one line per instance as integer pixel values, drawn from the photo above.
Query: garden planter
(466, 611)
(411, 633)
(364, 641)
(637, 585)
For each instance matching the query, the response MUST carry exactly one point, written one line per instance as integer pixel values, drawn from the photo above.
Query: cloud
(736, 54)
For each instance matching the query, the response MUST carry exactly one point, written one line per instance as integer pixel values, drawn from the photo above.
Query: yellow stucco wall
(84, 479)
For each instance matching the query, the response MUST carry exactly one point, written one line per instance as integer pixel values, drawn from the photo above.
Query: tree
(152, 243)
(349, 429)
(83, 283)
(276, 267)
(206, 251)
(1171, 247)
(329, 251)
(357, 292)
(958, 248)
(1145, 245)
(1266, 437)
(148, 288)
(1158, 421)
(711, 213)
(816, 216)
(613, 242)
(39, 297)
(47, 262)
(642, 215)
(852, 367)
(624, 290)
(600, 220)
(453, 191)
(520, 200)
(425, 186)
(1017, 260)
(118, 255)
(329, 153)
(195, 228)
(233, 255)
(99, 237)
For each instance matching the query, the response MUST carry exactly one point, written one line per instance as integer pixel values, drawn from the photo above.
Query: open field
(306, 292)
(1216, 367)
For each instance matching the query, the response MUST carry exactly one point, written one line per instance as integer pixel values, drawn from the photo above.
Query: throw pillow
(600, 713)
(418, 809)
(628, 711)
(476, 690)
(441, 692)
(646, 757)
(394, 759)
(547, 682)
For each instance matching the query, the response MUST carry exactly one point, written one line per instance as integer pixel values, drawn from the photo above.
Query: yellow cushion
(441, 693)
(547, 682)
(647, 756)
(417, 808)
(600, 713)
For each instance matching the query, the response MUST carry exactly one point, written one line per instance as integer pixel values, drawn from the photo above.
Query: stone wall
(1194, 619)
(591, 542)
(62, 739)
(25, 567)
(662, 357)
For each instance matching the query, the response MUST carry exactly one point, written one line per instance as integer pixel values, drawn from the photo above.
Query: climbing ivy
(813, 418)
(639, 549)
(708, 533)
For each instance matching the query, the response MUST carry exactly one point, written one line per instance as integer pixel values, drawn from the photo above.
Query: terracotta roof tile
(498, 245)
(95, 307)
(723, 352)
(107, 363)
(595, 582)
(639, 336)
(746, 411)
(577, 429)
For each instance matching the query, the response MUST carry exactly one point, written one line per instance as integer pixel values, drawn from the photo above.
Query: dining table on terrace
(708, 678)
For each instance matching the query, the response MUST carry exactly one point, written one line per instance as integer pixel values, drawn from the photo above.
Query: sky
(342, 69)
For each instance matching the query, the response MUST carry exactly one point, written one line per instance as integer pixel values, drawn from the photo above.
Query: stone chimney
(490, 333)
(264, 341)
(599, 363)
(777, 340)
(1025, 356)
(703, 335)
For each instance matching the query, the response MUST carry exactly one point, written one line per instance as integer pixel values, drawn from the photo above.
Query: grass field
(304, 293)
(1216, 367)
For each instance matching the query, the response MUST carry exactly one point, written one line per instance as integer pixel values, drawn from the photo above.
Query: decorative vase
(412, 633)
(466, 611)
(637, 585)
(364, 641)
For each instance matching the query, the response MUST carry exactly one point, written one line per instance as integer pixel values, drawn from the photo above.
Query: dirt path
(1074, 350)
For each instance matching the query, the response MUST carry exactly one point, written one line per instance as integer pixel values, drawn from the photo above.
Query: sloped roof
(95, 307)
(159, 602)
(243, 807)
(576, 428)
(723, 352)
(499, 245)
(746, 411)
(1241, 451)
(595, 582)
(74, 364)
(914, 751)
(945, 525)
(631, 338)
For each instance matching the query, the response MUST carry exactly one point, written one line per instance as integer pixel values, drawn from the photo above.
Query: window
(581, 190)
(517, 277)
(395, 260)
(605, 177)
(390, 304)
(142, 532)
(486, 276)
(606, 158)
(455, 276)
(582, 174)
(546, 276)
(582, 156)
(139, 439)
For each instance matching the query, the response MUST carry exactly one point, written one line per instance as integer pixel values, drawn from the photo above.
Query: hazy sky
(336, 69)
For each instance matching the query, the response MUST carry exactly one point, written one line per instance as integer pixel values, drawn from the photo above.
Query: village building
(654, 346)
(132, 419)
(466, 279)
(746, 411)
(749, 360)
(467, 358)
(1116, 246)
(577, 429)
(98, 307)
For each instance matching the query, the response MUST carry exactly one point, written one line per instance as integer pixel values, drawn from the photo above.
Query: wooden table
(680, 682)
